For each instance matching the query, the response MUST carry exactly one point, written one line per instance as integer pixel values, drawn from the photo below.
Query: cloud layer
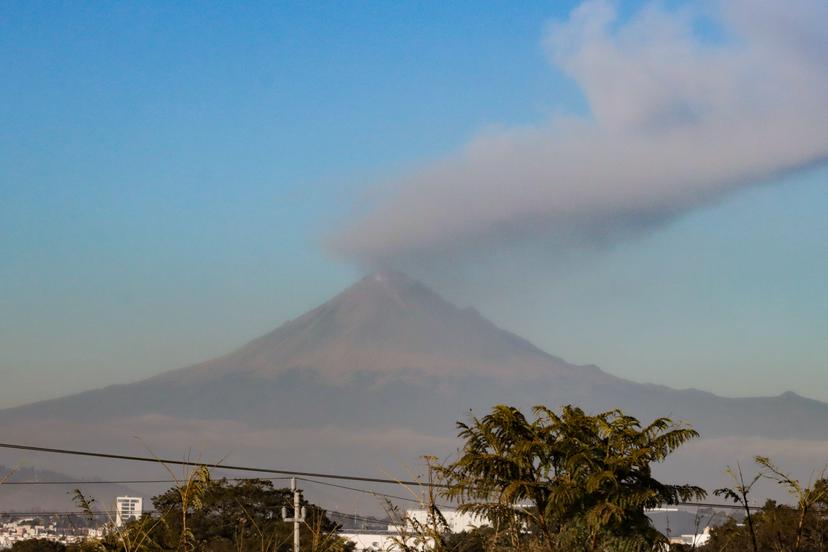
(679, 118)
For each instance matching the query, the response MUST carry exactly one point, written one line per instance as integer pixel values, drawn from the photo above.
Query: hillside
(375, 377)
(47, 497)
(388, 344)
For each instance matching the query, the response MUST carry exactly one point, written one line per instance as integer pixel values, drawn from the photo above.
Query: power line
(124, 482)
(131, 458)
(356, 517)
(333, 513)
(58, 514)
(369, 491)
(718, 506)
(298, 474)
(131, 481)
(99, 513)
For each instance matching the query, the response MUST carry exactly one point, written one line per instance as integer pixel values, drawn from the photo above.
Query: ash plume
(680, 118)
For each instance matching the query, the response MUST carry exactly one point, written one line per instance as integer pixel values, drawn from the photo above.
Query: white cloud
(678, 121)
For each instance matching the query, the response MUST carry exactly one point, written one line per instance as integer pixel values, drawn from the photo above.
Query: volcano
(382, 370)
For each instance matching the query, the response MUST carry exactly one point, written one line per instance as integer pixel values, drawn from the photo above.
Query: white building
(371, 541)
(457, 521)
(128, 508)
(386, 541)
(699, 539)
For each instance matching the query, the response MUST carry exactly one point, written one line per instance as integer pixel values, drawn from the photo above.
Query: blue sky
(170, 174)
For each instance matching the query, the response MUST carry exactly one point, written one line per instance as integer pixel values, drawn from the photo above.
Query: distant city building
(371, 541)
(697, 539)
(127, 508)
(41, 527)
(456, 522)
(388, 540)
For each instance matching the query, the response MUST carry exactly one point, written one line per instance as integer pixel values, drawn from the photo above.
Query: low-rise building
(414, 528)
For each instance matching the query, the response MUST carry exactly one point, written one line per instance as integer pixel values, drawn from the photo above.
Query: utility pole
(298, 513)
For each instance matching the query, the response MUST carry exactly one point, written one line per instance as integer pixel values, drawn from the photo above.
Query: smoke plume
(682, 113)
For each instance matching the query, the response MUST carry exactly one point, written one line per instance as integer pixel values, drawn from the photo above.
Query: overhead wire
(366, 491)
(301, 475)
(99, 513)
(131, 481)
(371, 492)
(167, 461)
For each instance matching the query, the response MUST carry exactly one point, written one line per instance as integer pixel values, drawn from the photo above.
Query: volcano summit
(382, 370)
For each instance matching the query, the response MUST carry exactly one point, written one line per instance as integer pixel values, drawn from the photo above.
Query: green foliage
(567, 481)
(739, 494)
(85, 504)
(242, 516)
(778, 528)
(204, 515)
(558, 482)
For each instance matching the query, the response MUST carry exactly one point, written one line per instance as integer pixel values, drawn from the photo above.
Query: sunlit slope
(390, 352)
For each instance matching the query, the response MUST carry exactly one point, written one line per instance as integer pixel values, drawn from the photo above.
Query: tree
(568, 481)
(807, 498)
(482, 539)
(739, 494)
(776, 527)
(220, 516)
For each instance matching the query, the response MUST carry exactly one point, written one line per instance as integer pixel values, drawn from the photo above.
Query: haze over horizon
(178, 180)
(379, 375)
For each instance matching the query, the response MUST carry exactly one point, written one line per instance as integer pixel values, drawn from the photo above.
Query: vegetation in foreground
(203, 514)
(556, 482)
(567, 481)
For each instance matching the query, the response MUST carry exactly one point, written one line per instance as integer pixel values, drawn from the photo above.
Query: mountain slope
(384, 326)
(15, 496)
(388, 352)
